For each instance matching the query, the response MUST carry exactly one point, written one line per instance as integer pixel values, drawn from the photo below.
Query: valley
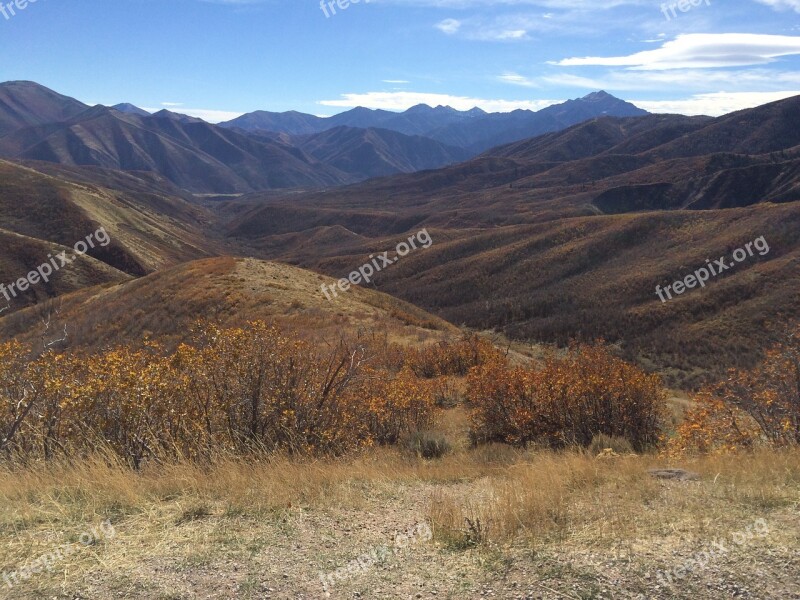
(302, 341)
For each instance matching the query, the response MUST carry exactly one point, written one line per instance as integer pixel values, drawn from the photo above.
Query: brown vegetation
(567, 402)
(760, 407)
(236, 390)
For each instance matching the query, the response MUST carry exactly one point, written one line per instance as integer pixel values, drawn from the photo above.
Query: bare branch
(47, 318)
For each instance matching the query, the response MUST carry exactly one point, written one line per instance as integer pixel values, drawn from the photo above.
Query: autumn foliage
(760, 407)
(567, 401)
(235, 390)
(450, 358)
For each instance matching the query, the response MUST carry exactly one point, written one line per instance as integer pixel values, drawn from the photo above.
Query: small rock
(679, 474)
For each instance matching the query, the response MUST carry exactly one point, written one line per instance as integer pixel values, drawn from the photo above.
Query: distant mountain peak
(131, 109)
(601, 95)
(607, 104)
(168, 114)
(98, 110)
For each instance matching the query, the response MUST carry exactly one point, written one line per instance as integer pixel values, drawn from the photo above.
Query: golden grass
(576, 498)
(513, 493)
(485, 499)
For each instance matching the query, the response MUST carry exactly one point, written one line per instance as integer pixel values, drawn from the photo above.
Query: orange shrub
(758, 407)
(450, 358)
(398, 405)
(235, 390)
(567, 402)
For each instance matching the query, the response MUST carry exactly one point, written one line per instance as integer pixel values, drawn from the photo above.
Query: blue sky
(220, 58)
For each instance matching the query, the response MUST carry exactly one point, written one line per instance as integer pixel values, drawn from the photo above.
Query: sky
(217, 59)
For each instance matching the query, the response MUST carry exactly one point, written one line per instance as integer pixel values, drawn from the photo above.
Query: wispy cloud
(449, 26)
(700, 50)
(782, 4)
(691, 80)
(714, 104)
(517, 79)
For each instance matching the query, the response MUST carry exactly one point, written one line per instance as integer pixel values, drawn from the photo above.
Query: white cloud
(782, 4)
(405, 100)
(701, 50)
(517, 79)
(713, 104)
(689, 80)
(510, 34)
(502, 28)
(449, 26)
(396, 81)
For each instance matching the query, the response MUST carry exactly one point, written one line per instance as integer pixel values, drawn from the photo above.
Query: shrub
(230, 390)
(429, 445)
(751, 408)
(601, 442)
(567, 402)
(450, 358)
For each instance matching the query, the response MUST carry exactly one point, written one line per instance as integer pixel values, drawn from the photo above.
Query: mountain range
(568, 234)
(265, 151)
(554, 237)
(473, 131)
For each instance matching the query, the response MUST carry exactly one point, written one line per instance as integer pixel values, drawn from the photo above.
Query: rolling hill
(42, 212)
(227, 291)
(568, 235)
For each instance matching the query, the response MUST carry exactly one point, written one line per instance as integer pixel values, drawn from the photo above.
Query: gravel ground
(220, 555)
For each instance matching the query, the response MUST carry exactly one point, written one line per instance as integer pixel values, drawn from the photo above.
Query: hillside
(147, 227)
(227, 291)
(568, 235)
(367, 153)
(26, 104)
(22, 255)
(192, 154)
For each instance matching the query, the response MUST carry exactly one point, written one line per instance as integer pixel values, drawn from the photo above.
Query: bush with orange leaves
(567, 401)
(396, 405)
(751, 408)
(450, 358)
(234, 390)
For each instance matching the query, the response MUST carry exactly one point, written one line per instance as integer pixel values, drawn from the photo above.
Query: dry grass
(556, 498)
(486, 505)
